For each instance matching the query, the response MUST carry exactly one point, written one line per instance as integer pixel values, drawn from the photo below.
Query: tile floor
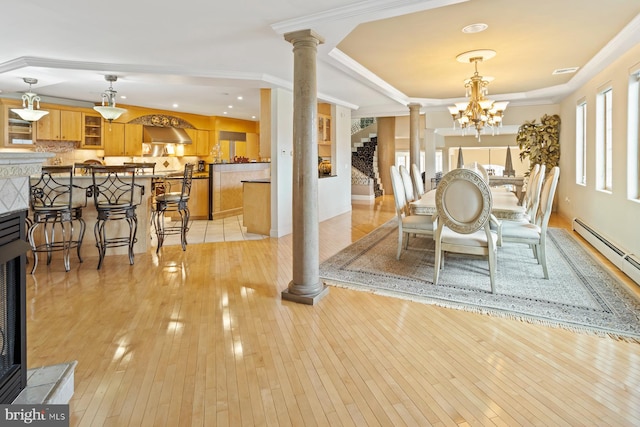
(219, 230)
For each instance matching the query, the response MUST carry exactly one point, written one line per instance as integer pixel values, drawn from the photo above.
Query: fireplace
(13, 348)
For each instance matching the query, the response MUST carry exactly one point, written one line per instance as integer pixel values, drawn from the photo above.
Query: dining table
(505, 205)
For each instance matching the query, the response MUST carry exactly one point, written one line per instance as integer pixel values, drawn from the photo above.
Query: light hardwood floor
(202, 338)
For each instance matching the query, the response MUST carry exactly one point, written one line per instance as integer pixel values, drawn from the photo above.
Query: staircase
(365, 179)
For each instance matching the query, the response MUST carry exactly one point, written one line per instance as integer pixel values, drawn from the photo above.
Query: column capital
(303, 35)
(414, 106)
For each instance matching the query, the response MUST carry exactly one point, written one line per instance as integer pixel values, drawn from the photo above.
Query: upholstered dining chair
(532, 202)
(535, 235)
(463, 201)
(407, 183)
(414, 224)
(418, 184)
(477, 167)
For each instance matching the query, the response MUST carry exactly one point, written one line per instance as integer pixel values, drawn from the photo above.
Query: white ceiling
(378, 55)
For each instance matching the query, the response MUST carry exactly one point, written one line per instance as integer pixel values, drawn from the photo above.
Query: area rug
(579, 295)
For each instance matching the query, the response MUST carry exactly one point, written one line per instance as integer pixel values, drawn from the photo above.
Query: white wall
(611, 214)
(281, 162)
(334, 193)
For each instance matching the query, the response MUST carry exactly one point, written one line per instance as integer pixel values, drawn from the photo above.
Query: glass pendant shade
(108, 109)
(27, 112)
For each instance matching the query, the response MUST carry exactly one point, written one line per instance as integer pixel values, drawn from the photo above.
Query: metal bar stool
(170, 202)
(142, 167)
(114, 195)
(53, 208)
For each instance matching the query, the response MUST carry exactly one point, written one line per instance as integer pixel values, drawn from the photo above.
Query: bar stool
(142, 167)
(169, 202)
(114, 195)
(53, 208)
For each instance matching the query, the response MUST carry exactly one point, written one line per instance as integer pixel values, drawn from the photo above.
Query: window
(633, 145)
(604, 140)
(581, 143)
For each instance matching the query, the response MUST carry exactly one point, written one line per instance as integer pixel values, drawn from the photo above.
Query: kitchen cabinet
(199, 198)
(114, 139)
(123, 140)
(324, 135)
(92, 132)
(133, 140)
(17, 132)
(199, 143)
(60, 125)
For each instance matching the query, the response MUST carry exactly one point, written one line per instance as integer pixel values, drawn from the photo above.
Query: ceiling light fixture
(109, 111)
(27, 111)
(479, 112)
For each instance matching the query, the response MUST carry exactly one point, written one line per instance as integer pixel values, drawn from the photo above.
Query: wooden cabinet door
(114, 139)
(202, 146)
(48, 127)
(191, 149)
(92, 131)
(133, 140)
(70, 126)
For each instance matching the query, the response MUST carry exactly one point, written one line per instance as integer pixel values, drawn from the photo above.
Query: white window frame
(633, 132)
(604, 140)
(581, 142)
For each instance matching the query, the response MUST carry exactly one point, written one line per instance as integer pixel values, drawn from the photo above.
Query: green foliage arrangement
(540, 142)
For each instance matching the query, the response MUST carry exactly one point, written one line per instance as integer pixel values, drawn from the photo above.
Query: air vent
(568, 70)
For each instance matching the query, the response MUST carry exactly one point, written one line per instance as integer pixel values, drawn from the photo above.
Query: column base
(305, 299)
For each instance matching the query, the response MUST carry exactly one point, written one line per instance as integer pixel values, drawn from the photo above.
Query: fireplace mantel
(15, 170)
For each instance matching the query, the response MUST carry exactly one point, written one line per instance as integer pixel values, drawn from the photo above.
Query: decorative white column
(306, 286)
(414, 134)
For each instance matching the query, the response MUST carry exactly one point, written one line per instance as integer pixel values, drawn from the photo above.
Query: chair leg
(400, 236)
(133, 229)
(83, 228)
(34, 250)
(184, 227)
(542, 254)
(100, 235)
(436, 265)
(492, 270)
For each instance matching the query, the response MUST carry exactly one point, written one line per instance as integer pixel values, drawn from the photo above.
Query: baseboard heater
(628, 263)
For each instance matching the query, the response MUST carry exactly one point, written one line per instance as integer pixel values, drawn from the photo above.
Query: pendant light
(109, 111)
(27, 112)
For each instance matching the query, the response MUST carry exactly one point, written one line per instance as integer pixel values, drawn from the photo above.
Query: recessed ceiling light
(123, 96)
(567, 70)
(239, 97)
(475, 28)
(253, 117)
(224, 112)
(175, 105)
(229, 106)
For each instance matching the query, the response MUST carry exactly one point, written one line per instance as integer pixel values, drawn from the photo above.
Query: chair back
(114, 186)
(479, 169)
(418, 184)
(53, 189)
(463, 201)
(398, 192)
(187, 180)
(527, 193)
(142, 167)
(533, 200)
(410, 195)
(546, 197)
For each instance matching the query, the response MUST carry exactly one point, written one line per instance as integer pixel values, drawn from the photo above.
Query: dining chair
(408, 224)
(535, 234)
(478, 168)
(407, 183)
(418, 183)
(527, 189)
(167, 203)
(533, 201)
(463, 202)
(116, 197)
(55, 211)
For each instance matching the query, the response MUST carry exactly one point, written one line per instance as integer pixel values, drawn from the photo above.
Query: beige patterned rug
(580, 295)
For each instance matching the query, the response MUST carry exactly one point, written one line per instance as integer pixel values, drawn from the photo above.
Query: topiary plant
(540, 142)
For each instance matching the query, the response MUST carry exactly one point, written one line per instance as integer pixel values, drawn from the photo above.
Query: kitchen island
(225, 180)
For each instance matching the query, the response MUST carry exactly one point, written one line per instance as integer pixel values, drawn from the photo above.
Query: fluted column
(414, 134)
(305, 287)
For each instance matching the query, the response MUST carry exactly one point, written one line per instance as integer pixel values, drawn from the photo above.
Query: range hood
(165, 135)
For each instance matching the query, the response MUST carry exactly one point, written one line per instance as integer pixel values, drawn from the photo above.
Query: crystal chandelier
(479, 112)
(109, 111)
(27, 112)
